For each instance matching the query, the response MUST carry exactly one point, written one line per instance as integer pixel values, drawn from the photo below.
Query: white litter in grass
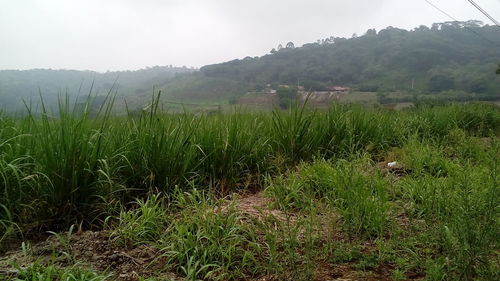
(392, 164)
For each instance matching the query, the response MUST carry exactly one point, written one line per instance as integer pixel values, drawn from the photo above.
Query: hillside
(17, 86)
(456, 56)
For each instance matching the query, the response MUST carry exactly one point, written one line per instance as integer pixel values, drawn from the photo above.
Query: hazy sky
(130, 34)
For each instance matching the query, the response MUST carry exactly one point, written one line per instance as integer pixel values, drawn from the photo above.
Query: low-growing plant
(65, 241)
(436, 269)
(50, 272)
(291, 245)
(7, 226)
(210, 243)
(424, 157)
(427, 197)
(146, 222)
(360, 199)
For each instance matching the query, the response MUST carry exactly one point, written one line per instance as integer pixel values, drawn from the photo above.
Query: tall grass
(461, 206)
(292, 133)
(56, 166)
(233, 146)
(348, 129)
(437, 122)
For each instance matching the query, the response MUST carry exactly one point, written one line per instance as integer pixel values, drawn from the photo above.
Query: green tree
(287, 95)
(442, 82)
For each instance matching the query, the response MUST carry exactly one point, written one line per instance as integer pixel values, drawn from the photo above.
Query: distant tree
(290, 45)
(371, 32)
(337, 40)
(441, 82)
(422, 28)
(280, 47)
(287, 95)
(273, 51)
(498, 69)
(478, 85)
(473, 23)
(314, 85)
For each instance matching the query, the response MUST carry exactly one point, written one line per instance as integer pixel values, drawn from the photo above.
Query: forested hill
(17, 86)
(460, 56)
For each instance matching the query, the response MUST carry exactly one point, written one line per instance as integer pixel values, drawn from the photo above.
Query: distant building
(338, 89)
(269, 91)
(331, 94)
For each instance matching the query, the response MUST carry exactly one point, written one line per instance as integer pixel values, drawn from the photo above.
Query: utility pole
(412, 83)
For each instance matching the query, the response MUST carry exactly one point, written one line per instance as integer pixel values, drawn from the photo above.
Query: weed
(39, 272)
(360, 199)
(209, 244)
(145, 223)
(65, 241)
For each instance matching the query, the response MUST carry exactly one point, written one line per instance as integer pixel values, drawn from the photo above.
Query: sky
(104, 35)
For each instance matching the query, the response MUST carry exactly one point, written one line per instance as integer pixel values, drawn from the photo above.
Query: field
(348, 193)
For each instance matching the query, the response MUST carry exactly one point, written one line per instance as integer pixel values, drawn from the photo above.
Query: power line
(437, 8)
(468, 28)
(484, 13)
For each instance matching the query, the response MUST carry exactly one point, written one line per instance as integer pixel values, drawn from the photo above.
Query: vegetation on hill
(17, 86)
(445, 57)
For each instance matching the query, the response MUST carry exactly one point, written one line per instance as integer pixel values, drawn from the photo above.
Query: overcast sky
(130, 34)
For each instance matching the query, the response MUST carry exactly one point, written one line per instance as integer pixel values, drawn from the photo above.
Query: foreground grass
(158, 180)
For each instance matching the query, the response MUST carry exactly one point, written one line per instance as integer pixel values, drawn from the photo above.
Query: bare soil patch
(93, 250)
(257, 206)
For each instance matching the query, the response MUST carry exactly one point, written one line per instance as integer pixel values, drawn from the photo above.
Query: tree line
(446, 56)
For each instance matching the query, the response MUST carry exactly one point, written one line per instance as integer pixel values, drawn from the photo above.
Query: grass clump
(360, 199)
(211, 245)
(471, 233)
(142, 224)
(50, 272)
(461, 215)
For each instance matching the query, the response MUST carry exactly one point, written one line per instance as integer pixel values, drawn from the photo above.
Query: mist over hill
(19, 86)
(449, 57)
